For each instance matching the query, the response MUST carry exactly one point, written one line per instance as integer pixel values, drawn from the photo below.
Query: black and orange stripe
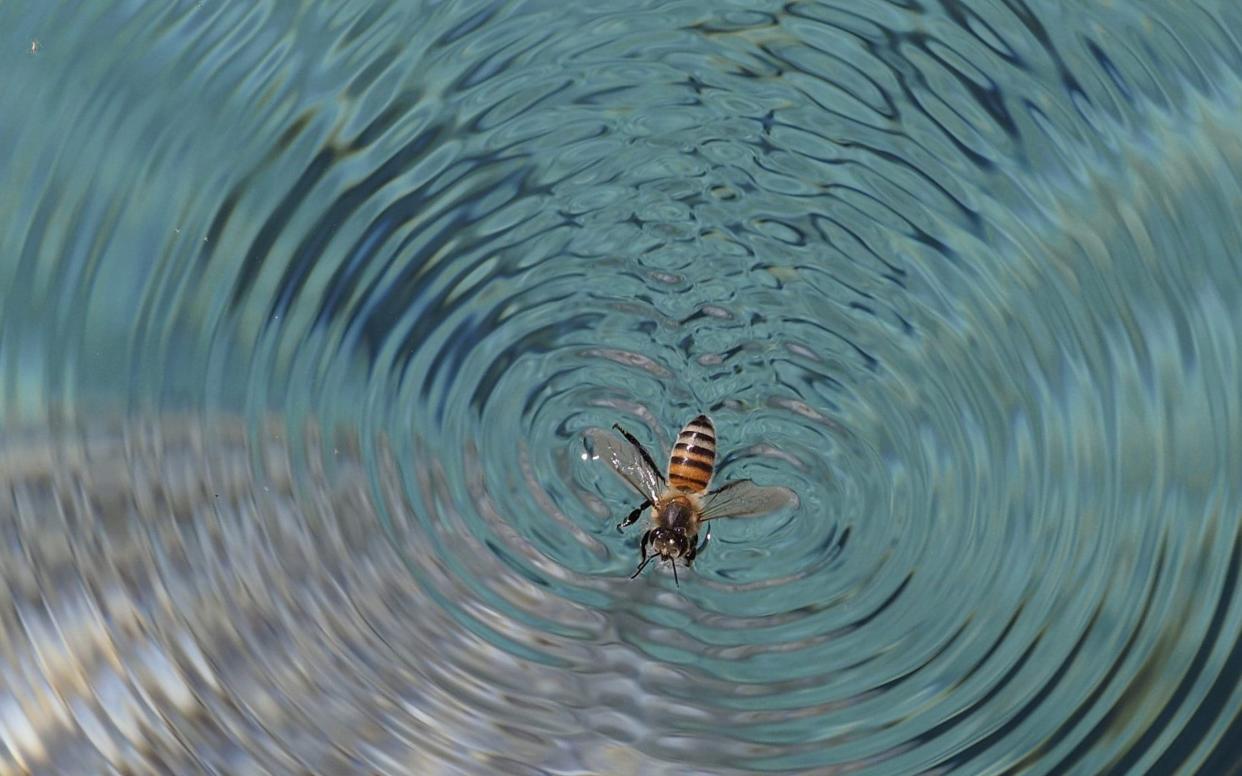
(694, 456)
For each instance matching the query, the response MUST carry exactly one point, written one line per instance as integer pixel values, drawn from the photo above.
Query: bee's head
(670, 542)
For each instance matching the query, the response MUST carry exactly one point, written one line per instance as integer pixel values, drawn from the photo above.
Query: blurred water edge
(305, 308)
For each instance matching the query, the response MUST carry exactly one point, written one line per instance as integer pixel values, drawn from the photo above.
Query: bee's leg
(633, 516)
(694, 551)
(641, 450)
(643, 560)
(642, 544)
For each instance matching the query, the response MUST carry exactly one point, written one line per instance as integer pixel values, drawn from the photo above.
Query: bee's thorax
(674, 526)
(677, 512)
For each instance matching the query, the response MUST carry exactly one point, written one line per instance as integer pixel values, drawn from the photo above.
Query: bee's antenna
(641, 566)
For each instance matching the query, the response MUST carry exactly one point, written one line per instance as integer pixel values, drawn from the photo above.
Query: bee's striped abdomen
(694, 456)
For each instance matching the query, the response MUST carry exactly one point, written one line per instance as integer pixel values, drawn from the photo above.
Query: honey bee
(679, 501)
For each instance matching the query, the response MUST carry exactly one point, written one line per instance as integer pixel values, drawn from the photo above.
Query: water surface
(305, 308)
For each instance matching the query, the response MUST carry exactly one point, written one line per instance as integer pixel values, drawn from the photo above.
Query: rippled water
(305, 307)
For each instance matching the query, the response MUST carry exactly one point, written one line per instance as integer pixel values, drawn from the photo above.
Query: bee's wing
(626, 461)
(743, 498)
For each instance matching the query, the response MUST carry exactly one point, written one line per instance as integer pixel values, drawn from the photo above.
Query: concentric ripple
(305, 309)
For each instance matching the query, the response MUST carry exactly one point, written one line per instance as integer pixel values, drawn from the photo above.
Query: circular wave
(305, 314)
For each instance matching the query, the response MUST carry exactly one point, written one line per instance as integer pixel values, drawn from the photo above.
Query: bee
(679, 500)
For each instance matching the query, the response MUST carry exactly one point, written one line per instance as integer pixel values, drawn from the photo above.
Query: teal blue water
(305, 309)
